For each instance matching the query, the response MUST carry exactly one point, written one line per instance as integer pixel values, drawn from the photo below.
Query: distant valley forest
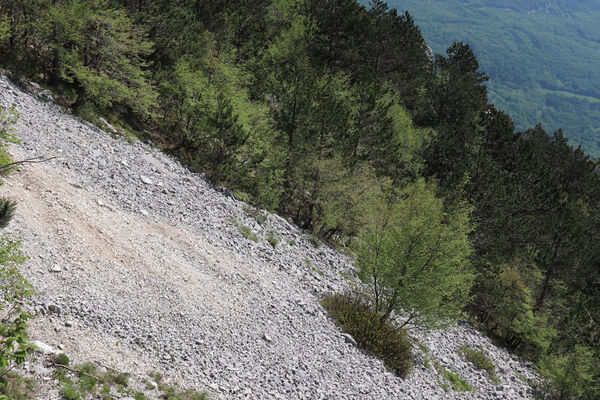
(542, 56)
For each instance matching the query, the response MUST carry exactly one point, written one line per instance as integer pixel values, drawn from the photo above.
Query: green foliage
(62, 359)
(415, 256)
(246, 231)
(457, 383)
(8, 117)
(100, 51)
(171, 393)
(273, 239)
(70, 392)
(116, 378)
(480, 360)
(571, 375)
(15, 387)
(380, 338)
(14, 288)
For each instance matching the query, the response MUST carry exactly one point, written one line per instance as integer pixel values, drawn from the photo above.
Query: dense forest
(338, 117)
(542, 57)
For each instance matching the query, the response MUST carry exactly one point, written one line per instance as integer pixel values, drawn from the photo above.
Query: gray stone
(349, 339)
(53, 308)
(43, 348)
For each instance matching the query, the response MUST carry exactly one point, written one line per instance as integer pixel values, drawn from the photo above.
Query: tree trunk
(82, 98)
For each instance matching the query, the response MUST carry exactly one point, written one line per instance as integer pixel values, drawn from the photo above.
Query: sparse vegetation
(246, 231)
(273, 239)
(14, 288)
(172, 393)
(256, 213)
(379, 337)
(314, 241)
(481, 361)
(458, 384)
(16, 387)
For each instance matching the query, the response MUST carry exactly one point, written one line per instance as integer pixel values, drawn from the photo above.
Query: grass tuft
(383, 340)
(246, 231)
(273, 239)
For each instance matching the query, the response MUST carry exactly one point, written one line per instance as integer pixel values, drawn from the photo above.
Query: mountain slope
(543, 56)
(142, 256)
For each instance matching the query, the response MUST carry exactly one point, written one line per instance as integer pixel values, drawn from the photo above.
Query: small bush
(480, 360)
(62, 359)
(381, 339)
(69, 392)
(273, 239)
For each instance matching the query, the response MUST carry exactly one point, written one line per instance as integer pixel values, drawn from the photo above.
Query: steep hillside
(143, 267)
(543, 57)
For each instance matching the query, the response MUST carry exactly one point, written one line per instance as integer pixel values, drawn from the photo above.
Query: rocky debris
(164, 275)
(43, 348)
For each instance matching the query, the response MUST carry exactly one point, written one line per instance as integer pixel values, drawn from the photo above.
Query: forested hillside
(543, 57)
(336, 117)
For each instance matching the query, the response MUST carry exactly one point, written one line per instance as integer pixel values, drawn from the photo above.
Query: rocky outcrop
(142, 266)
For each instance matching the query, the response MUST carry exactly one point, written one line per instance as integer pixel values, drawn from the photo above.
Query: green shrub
(62, 359)
(273, 239)
(480, 360)
(69, 392)
(380, 338)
